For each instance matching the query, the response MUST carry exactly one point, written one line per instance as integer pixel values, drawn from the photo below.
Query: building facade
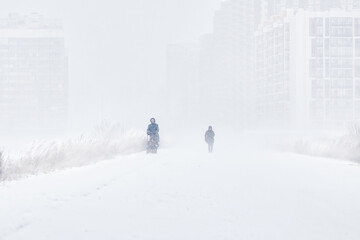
(227, 61)
(308, 69)
(33, 74)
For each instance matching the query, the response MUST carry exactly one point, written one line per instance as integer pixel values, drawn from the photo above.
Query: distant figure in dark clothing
(209, 139)
(153, 133)
(153, 130)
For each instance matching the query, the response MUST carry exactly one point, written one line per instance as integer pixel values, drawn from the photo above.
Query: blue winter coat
(153, 131)
(209, 136)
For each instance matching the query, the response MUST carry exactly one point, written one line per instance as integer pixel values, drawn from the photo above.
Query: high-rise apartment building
(33, 74)
(231, 49)
(308, 69)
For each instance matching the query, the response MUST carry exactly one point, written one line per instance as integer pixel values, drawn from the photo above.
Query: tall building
(33, 74)
(214, 87)
(231, 49)
(308, 69)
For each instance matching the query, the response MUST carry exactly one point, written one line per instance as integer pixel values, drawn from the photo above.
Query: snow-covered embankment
(108, 141)
(346, 147)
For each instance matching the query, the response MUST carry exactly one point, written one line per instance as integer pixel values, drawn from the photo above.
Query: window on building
(316, 26)
(341, 83)
(317, 93)
(316, 68)
(341, 31)
(357, 68)
(341, 51)
(357, 47)
(327, 68)
(341, 63)
(327, 88)
(317, 52)
(317, 42)
(341, 42)
(341, 21)
(327, 27)
(357, 88)
(357, 27)
(318, 83)
(341, 73)
(327, 47)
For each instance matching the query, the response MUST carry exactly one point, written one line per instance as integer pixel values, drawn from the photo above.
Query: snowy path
(188, 195)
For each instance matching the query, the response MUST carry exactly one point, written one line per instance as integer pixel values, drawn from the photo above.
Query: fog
(117, 53)
(274, 83)
(261, 66)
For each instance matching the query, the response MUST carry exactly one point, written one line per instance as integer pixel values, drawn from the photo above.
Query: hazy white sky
(117, 46)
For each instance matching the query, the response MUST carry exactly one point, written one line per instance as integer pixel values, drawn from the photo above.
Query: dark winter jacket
(209, 136)
(153, 131)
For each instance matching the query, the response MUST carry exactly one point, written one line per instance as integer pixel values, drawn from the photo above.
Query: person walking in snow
(153, 133)
(209, 138)
(153, 130)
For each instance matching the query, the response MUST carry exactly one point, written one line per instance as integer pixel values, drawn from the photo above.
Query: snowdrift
(345, 147)
(108, 141)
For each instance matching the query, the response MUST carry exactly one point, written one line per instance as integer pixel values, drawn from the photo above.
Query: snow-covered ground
(183, 193)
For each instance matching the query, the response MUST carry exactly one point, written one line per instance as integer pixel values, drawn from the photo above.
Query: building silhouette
(227, 61)
(285, 63)
(307, 69)
(33, 75)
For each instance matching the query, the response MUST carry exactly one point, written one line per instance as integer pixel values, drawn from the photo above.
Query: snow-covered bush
(108, 141)
(1, 165)
(354, 129)
(343, 147)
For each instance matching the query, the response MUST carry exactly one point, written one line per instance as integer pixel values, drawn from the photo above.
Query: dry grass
(108, 141)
